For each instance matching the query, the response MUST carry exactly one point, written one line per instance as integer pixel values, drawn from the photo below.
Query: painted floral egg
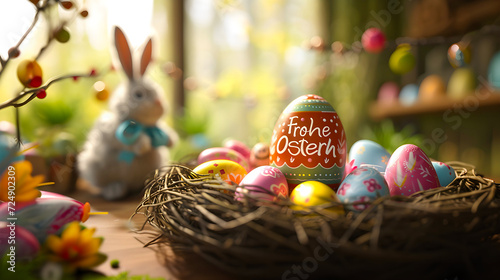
(363, 184)
(459, 54)
(309, 143)
(227, 170)
(259, 155)
(313, 193)
(223, 153)
(47, 214)
(410, 170)
(370, 153)
(446, 174)
(238, 146)
(264, 182)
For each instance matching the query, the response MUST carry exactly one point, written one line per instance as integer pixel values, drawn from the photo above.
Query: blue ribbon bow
(129, 131)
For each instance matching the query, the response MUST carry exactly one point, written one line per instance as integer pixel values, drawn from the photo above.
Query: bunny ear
(146, 57)
(124, 53)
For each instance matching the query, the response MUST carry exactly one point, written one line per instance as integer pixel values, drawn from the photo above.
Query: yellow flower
(17, 183)
(76, 247)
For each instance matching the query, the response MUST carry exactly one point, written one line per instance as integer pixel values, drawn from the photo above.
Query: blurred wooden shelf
(480, 99)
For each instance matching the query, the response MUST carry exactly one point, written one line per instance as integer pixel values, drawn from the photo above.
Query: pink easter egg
(409, 170)
(388, 92)
(238, 146)
(14, 236)
(223, 153)
(264, 182)
(373, 40)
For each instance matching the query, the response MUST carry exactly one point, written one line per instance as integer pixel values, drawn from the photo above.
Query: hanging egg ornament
(101, 91)
(459, 54)
(312, 194)
(402, 60)
(410, 170)
(309, 143)
(30, 73)
(373, 40)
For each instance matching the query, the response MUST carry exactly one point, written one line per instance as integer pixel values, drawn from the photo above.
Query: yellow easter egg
(227, 170)
(313, 193)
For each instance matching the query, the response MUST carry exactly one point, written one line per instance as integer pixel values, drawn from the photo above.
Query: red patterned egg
(309, 143)
(409, 170)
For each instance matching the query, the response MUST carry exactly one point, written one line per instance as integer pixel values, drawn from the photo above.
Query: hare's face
(146, 106)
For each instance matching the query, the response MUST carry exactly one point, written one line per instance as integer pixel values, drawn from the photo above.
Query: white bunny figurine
(125, 144)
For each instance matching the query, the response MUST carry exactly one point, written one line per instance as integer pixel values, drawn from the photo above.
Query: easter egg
(369, 153)
(314, 193)
(26, 244)
(388, 92)
(30, 73)
(47, 214)
(364, 184)
(408, 94)
(227, 170)
(459, 54)
(308, 142)
(462, 83)
(264, 182)
(494, 71)
(432, 88)
(410, 170)
(402, 60)
(259, 155)
(373, 40)
(238, 146)
(446, 174)
(223, 153)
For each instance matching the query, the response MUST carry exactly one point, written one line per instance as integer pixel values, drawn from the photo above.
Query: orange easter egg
(309, 143)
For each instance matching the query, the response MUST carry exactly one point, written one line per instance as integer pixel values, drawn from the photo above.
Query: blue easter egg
(494, 71)
(369, 153)
(408, 94)
(446, 174)
(363, 184)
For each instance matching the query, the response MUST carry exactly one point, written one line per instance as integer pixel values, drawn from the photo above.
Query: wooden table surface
(121, 243)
